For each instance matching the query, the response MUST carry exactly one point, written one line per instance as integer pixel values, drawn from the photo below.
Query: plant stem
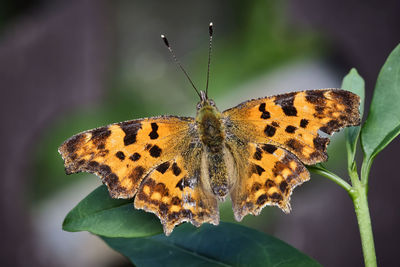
(365, 168)
(330, 175)
(358, 194)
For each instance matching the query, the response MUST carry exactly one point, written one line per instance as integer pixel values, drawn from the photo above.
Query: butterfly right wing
(294, 120)
(270, 139)
(269, 179)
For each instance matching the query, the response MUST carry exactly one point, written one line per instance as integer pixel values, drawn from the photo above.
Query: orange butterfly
(179, 168)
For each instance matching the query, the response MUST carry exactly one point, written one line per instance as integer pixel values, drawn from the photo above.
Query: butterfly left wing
(175, 192)
(156, 159)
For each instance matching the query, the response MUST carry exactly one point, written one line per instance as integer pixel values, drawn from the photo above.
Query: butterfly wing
(272, 137)
(151, 158)
(293, 121)
(270, 178)
(175, 194)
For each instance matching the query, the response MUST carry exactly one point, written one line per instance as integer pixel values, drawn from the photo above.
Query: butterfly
(180, 168)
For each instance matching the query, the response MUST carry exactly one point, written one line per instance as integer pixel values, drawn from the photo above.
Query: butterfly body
(217, 158)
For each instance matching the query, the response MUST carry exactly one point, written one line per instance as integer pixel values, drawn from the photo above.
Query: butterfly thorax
(212, 136)
(210, 128)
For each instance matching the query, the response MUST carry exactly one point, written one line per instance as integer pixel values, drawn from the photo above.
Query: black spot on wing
(262, 199)
(290, 129)
(153, 134)
(289, 110)
(275, 124)
(135, 156)
(258, 154)
(264, 114)
(276, 196)
(175, 169)
(303, 123)
(155, 151)
(120, 155)
(269, 148)
(181, 184)
(270, 130)
(130, 129)
(257, 169)
(162, 168)
(286, 101)
(283, 186)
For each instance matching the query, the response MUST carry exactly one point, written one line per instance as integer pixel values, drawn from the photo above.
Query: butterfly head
(205, 102)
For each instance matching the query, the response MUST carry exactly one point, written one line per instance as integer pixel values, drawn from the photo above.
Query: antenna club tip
(165, 40)
(211, 24)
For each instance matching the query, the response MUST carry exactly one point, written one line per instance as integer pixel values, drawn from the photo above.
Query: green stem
(358, 194)
(365, 168)
(330, 175)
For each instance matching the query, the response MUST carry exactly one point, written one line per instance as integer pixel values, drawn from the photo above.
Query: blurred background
(68, 66)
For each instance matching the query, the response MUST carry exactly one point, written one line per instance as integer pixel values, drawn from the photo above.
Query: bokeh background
(68, 66)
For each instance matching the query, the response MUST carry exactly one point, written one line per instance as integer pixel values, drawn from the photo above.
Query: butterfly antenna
(178, 63)
(210, 31)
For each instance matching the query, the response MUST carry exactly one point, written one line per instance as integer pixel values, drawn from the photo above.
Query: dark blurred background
(68, 66)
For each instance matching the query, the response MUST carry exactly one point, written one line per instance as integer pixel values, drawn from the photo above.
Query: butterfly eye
(198, 105)
(212, 103)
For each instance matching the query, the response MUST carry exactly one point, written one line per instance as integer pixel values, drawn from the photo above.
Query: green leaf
(99, 214)
(383, 122)
(224, 245)
(353, 83)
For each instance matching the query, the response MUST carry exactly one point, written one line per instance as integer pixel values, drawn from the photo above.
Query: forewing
(122, 154)
(293, 120)
(269, 179)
